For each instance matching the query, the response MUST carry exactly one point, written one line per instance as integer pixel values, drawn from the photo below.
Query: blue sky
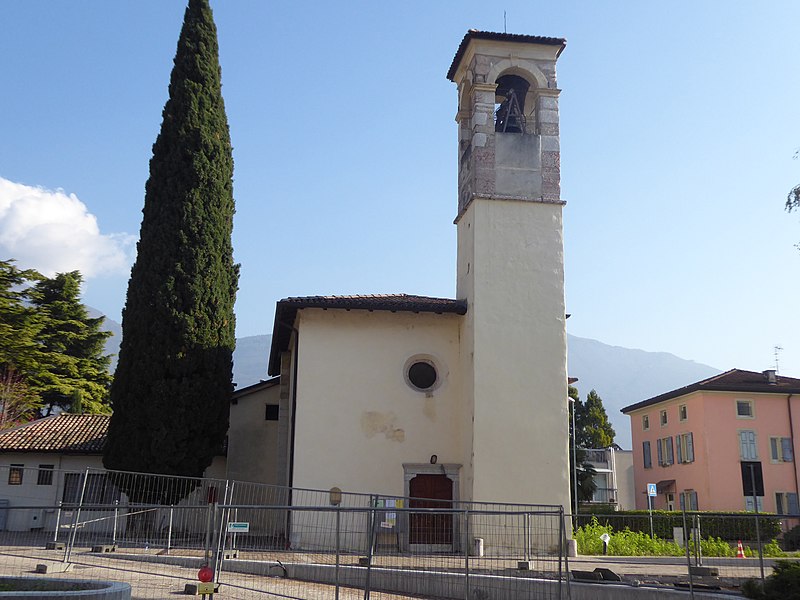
(679, 124)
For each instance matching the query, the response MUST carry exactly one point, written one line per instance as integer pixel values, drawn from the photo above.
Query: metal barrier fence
(701, 550)
(289, 542)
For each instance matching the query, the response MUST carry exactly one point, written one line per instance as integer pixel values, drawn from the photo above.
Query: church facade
(462, 398)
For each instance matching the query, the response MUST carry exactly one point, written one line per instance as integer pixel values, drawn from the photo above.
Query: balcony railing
(605, 496)
(598, 456)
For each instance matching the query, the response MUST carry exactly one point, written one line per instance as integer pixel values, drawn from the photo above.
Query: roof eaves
(286, 313)
(475, 34)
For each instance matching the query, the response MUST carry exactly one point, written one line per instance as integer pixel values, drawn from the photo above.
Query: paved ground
(153, 580)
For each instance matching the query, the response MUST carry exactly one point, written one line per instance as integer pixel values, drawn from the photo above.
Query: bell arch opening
(511, 96)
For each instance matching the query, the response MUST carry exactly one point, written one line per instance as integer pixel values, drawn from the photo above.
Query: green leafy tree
(594, 428)
(585, 471)
(71, 346)
(172, 384)
(20, 323)
(793, 197)
(17, 403)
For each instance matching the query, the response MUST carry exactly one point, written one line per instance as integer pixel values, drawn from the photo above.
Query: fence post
(686, 536)
(58, 522)
(207, 545)
(338, 546)
(169, 529)
(116, 517)
(526, 537)
(564, 553)
(758, 542)
(372, 502)
(467, 548)
(77, 519)
(224, 517)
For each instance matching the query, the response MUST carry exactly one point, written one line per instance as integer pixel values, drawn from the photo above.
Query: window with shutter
(792, 506)
(670, 453)
(660, 452)
(648, 462)
(786, 447)
(689, 447)
(747, 445)
(748, 503)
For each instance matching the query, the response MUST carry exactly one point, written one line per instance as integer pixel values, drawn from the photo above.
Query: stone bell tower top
(507, 117)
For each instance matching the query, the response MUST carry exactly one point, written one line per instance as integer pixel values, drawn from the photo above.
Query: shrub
(636, 543)
(783, 584)
(731, 527)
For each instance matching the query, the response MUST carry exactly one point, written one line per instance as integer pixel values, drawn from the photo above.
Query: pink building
(704, 445)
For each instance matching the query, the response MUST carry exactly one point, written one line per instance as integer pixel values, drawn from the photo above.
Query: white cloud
(54, 232)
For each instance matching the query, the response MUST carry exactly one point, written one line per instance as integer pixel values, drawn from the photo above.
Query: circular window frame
(426, 359)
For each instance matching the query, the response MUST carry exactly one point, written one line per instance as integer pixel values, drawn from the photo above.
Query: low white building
(43, 464)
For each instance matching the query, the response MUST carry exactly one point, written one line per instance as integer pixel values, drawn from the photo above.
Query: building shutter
(670, 453)
(648, 463)
(747, 444)
(786, 444)
(689, 448)
(693, 500)
(660, 450)
(773, 448)
(792, 501)
(678, 444)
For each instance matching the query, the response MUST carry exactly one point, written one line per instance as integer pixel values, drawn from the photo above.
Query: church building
(459, 398)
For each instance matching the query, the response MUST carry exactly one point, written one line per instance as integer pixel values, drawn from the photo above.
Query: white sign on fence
(238, 527)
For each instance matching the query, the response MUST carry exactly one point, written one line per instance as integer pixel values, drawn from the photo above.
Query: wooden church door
(430, 491)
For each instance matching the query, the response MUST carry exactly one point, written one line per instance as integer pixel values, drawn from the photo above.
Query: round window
(422, 375)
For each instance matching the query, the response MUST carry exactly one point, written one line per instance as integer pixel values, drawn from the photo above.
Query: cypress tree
(172, 385)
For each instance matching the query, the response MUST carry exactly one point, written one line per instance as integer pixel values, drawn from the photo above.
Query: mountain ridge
(621, 376)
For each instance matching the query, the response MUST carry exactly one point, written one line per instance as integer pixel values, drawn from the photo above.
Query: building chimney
(769, 374)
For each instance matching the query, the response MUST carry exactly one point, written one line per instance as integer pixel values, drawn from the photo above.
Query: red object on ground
(205, 574)
(740, 550)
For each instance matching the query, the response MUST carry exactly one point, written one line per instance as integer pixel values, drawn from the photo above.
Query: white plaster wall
(357, 420)
(253, 442)
(511, 270)
(23, 498)
(626, 491)
(30, 494)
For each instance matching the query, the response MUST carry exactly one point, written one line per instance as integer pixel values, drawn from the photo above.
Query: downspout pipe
(296, 360)
(794, 448)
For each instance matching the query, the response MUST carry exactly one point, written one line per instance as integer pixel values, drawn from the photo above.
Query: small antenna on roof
(777, 350)
(504, 22)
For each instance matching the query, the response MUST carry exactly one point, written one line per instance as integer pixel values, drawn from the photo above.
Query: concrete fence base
(35, 588)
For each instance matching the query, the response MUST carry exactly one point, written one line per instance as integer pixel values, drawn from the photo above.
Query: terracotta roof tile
(65, 433)
(475, 34)
(735, 380)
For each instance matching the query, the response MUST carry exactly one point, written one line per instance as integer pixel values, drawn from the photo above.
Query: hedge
(730, 527)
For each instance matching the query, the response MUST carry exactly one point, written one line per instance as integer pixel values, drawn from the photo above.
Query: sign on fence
(238, 527)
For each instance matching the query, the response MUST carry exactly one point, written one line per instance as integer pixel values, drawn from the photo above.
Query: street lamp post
(574, 468)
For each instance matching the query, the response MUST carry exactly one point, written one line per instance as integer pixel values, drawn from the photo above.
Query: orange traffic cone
(740, 550)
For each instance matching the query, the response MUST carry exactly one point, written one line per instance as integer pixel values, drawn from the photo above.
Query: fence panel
(155, 532)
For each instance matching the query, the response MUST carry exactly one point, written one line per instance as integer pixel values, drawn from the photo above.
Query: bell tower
(511, 268)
